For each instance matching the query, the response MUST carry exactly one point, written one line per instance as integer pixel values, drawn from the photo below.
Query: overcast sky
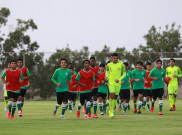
(93, 23)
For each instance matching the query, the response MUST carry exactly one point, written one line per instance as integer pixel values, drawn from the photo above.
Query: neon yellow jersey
(170, 71)
(115, 71)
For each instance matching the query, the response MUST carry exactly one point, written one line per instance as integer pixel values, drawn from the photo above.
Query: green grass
(38, 120)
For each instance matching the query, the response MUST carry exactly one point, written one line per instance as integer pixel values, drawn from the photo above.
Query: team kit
(97, 86)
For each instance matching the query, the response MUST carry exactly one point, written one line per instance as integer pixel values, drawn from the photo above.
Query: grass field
(38, 120)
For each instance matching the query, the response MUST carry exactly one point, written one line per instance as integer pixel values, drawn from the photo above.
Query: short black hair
(126, 64)
(144, 67)
(172, 59)
(102, 65)
(71, 67)
(13, 61)
(148, 63)
(92, 57)
(158, 61)
(140, 63)
(63, 59)
(69, 63)
(19, 59)
(115, 54)
(108, 61)
(85, 61)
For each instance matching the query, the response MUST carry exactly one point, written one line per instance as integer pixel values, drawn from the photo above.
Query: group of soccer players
(15, 80)
(105, 84)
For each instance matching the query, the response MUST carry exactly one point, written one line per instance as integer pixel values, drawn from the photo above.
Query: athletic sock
(171, 100)
(6, 102)
(118, 101)
(135, 105)
(125, 106)
(100, 107)
(64, 108)
(144, 101)
(111, 105)
(19, 106)
(104, 106)
(174, 100)
(13, 108)
(69, 104)
(88, 105)
(57, 106)
(74, 103)
(95, 107)
(139, 104)
(107, 103)
(160, 105)
(152, 103)
(85, 105)
(148, 105)
(10, 103)
(79, 107)
(115, 102)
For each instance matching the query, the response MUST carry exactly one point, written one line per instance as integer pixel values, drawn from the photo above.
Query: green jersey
(170, 72)
(157, 84)
(62, 76)
(126, 80)
(115, 71)
(138, 75)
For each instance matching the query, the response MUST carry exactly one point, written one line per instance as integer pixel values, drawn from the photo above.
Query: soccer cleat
(171, 109)
(124, 112)
(21, 110)
(160, 113)
(78, 114)
(8, 115)
(119, 107)
(174, 108)
(143, 107)
(111, 115)
(102, 113)
(62, 117)
(89, 115)
(95, 116)
(152, 109)
(86, 117)
(84, 110)
(54, 112)
(135, 110)
(128, 107)
(138, 111)
(13, 118)
(20, 114)
(148, 110)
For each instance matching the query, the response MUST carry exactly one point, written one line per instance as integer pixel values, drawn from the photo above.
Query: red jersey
(101, 78)
(86, 78)
(24, 72)
(73, 79)
(149, 84)
(95, 70)
(13, 77)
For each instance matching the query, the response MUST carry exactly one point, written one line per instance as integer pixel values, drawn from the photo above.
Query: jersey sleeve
(144, 74)
(69, 76)
(28, 73)
(78, 77)
(123, 71)
(164, 73)
(21, 76)
(151, 73)
(179, 72)
(54, 77)
(133, 74)
(4, 74)
(93, 78)
(107, 71)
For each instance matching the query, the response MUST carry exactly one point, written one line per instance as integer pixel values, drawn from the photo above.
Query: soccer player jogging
(86, 81)
(172, 73)
(13, 77)
(61, 77)
(148, 86)
(158, 76)
(138, 76)
(125, 89)
(102, 90)
(94, 69)
(115, 72)
(26, 75)
(72, 90)
(5, 92)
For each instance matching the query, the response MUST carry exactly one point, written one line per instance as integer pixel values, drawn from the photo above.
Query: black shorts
(62, 97)
(124, 94)
(157, 93)
(148, 93)
(95, 92)
(13, 95)
(85, 97)
(23, 92)
(103, 95)
(72, 96)
(136, 92)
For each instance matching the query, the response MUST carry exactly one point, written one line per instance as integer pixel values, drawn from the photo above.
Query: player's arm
(123, 71)
(179, 72)
(151, 76)
(77, 80)
(21, 78)
(3, 78)
(54, 77)
(28, 75)
(93, 82)
(107, 71)
(133, 79)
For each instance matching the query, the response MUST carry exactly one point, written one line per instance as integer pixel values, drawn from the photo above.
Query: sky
(92, 23)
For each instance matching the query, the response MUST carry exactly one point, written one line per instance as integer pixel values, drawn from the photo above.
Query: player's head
(19, 62)
(13, 64)
(9, 65)
(126, 65)
(102, 67)
(148, 65)
(139, 65)
(144, 67)
(69, 65)
(115, 57)
(71, 68)
(86, 64)
(111, 58)
(92, 61)
(172, 62)
(159, 63)
(63, 62)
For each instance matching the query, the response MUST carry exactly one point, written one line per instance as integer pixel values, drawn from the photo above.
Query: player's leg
(74, 100)
(121, 96)
(88, 104)
(154, 95)
(135, 92)
(127, 99)
(10, 103)
(95, 95)
(15, 97)
(112, 89)
(100, 102)
(64, 97)
(140, 96)
(175, 97)
(6, 100)
(59, 102)
(82, 102)
(104, 103)
(148, 96)
(144, 98)
(160, 94)
(22, 94)
(171, 100)
(70, 98)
